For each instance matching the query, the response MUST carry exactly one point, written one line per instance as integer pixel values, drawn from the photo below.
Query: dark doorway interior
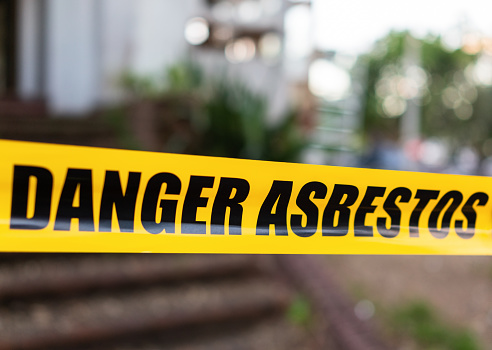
(8, 18)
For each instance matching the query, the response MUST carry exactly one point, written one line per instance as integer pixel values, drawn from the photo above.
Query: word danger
(346, 207)
(79, 181)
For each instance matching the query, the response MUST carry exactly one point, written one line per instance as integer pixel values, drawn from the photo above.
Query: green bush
(419, 321)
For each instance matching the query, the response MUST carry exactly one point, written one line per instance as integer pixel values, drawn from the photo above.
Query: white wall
(91, 42)
(118, 23)
(72, 73)
(141, 36)
(159, 34)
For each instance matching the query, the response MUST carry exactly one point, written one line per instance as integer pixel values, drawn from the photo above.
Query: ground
(458, 288)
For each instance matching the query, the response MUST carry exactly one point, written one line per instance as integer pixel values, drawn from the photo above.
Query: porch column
(72, 67)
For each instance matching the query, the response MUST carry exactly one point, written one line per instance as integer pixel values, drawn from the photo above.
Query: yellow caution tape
(80, 199)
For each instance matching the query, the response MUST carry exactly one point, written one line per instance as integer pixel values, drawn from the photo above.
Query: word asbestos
(347, 207)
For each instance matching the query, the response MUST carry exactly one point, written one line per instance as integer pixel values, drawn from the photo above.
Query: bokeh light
(197, 31)
(327, 80)
(240, 50)
(270, 46)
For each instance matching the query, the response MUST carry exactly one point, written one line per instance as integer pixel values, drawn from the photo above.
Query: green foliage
(141, 86)
(388, 50)
(299, 311)
(284, 142)
(227, 117)
(419, 321)
(184, 77)
(235, 121)
(236, 126)
(444, 69)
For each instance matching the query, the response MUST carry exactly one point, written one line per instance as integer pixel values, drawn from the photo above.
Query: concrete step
(51, 323)
(273, 333)
(78, 273)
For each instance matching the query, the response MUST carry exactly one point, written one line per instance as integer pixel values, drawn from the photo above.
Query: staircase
(146, 301)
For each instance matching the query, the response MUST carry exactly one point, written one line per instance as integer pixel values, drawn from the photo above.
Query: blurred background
(380, 84)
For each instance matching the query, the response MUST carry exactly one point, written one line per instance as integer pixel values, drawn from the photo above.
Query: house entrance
(7, 46)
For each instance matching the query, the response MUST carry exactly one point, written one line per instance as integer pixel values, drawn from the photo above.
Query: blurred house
(71, 53)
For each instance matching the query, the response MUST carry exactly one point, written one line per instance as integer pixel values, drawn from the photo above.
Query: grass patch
(358, 291)
(419, 321)
(300, 312)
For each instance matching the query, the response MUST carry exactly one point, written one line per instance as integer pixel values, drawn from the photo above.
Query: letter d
(20, 194)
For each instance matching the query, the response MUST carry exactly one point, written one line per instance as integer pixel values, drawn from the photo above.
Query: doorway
(8, 17)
